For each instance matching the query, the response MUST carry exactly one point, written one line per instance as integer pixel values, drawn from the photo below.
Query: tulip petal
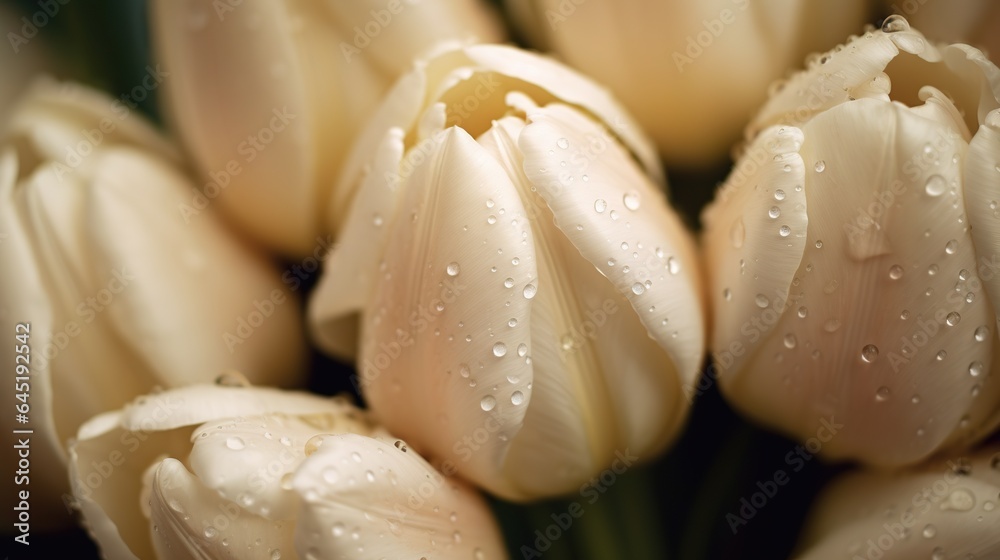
(901, 378)
(982, 202)
(249, 462)
(365, 497)
(751, 264)
(189, 520)
(628, 232)
(944, 509)
(106, 466)
(205, 306)
(360, 245)
(460, 218)
(197, 404)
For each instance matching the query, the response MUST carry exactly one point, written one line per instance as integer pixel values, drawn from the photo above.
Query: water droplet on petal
(935, 186)
(508, 283)
(487, 403)
(895, 23)
(774, 212)
(929, 531)
(976, 369)
(562, 143)
(499, 349)
(952, 319)
(790, 341)
(529, 291)
(820, 166)
(982, 333)
(895, 272)
(516, 398)
(882, 394)
(673, 265)
(452, 269)
(951, 247)
(784, 231)
(638, 288)
(631, 200)
(235, 443)
(600, 205)
(869, 353)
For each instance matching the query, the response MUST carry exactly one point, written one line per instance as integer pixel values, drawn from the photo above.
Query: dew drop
(631, 200)
(516, 398)
(452, 269)
(487, 403)
(600, 205)
(738, 233)
(762, 301)
(803, 312)
(831, 326)
(638, 288)
(673, 265)
(929, 531)
(790, 341)
(935, 186)
(522, 350)
(895, 272)
(940, 356)
(779, 195)
(529, 291)
(982, 333)
(784, 231)
(976, 369)
(512, 322)
(774, 212)
(819, 244)
(491, 219)
(508, 283)
(951, 247)
(869, 353)
(820, 166)
(211, 532)
(895, 23)
(952, 319)
(235, 443)
(882, 394)
(932, 270)
(499, 349)
(562, 143)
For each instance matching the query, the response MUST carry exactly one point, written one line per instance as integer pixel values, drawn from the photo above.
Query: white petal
(106, 466)
(214, 279)
(250, 462)
(624, 218)
(460, 217)
(190, 520)
(928, 512)
(365, 497)
(750, 263)
(197, 404)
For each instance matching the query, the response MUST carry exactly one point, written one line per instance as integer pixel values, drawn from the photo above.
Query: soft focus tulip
(117, 292)
(531, 305)
(854, 252)
(968, 21)
(945, 509)
(691, 72)
(267, 96)
(232, 471)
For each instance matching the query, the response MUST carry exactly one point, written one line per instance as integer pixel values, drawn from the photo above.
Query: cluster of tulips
(483, 231)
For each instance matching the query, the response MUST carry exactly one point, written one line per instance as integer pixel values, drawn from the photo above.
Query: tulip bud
(108, 290)
(692, 72)
(530, 303)
(267, 95)
(853, 251)
(210, 471)
(949, 508)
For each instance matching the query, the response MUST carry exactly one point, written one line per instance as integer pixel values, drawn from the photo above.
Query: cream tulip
(949, 508)
(691, 72)
(530, 304)
(114, 293)
(853, 252)
(267, 96)
(233, 471)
